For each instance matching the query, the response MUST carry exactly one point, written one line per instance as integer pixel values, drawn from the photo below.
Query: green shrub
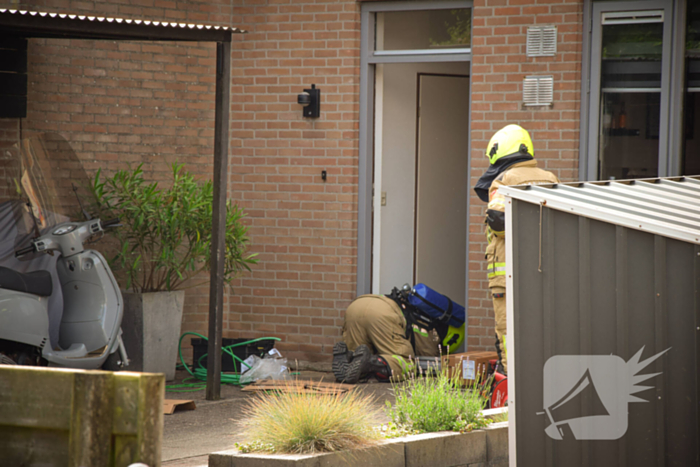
(440, 403)
(298, 423)
(166, 235)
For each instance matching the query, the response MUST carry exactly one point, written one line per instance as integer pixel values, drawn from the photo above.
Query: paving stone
(445, 449)
(235, 459)
(497, 442)
(219, 459)
(384, 455)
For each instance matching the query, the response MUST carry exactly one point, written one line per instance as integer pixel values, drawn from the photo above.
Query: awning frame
(34, 24)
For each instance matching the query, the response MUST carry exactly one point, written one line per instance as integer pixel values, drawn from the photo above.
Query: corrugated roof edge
(669, 191)
(119, 21)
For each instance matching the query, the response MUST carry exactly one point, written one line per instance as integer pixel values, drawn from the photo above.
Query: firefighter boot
(341, 360)
(379, 368)
(499, 366)
(359, 364)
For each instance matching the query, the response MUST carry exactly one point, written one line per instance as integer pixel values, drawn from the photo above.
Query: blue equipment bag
(435, 305)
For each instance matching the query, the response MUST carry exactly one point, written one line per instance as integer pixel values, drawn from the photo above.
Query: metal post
(218, 234)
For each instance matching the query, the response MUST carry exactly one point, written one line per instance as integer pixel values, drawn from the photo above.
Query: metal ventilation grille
(633, 17)
(538, 90)
(542, 42)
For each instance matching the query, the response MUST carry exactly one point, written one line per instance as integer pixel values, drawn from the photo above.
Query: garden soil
(189, 436)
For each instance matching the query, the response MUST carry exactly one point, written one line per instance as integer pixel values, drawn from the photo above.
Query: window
(691, 118)
(628, 114)
(632, 91)
(431, 31)
(630, 98)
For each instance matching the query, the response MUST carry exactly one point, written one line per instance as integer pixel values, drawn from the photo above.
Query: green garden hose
(200, 371)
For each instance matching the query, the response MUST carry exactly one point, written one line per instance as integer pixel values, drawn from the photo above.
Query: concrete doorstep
(481, 448)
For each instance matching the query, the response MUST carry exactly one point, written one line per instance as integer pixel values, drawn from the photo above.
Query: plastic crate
(259, 348)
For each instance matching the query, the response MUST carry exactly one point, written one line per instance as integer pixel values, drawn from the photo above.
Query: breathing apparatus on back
(429, 310)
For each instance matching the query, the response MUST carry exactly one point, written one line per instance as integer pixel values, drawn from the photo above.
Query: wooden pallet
(300, 386)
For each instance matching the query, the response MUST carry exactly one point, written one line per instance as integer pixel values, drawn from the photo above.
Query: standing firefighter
(510, 153)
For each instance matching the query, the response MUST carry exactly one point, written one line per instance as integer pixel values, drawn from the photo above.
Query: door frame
(368, 61)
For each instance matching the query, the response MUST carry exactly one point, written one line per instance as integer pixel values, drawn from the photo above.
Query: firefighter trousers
(377, 322)
(498, 296)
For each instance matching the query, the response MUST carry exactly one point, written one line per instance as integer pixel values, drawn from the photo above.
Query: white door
(442, 184)
(406, 199)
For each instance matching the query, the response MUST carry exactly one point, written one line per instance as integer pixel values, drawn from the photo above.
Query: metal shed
(603, 300)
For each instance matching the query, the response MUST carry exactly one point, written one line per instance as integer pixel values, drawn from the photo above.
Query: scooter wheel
(23, 359)
(26, 359)
(112, 362)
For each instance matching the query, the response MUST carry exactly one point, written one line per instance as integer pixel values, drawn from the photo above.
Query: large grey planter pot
(151, 327)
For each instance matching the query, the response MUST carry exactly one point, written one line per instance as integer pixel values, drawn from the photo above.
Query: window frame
(672, 83)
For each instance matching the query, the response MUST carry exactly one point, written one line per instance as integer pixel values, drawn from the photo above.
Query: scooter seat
(35, 283)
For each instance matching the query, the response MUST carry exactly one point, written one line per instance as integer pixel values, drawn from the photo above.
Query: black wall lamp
(311, 100)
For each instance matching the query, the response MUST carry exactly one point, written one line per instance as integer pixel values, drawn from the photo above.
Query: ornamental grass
(297, 423)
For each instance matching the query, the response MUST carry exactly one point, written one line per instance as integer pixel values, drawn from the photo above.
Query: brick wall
(9, 169)
(499, 64)
(303, 228)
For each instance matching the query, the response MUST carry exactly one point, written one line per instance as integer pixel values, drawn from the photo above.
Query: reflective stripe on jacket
(523, 173)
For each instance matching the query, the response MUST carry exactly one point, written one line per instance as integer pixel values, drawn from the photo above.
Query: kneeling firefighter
(382, 335)
(511, 157)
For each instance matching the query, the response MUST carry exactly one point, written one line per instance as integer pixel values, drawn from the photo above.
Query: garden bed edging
(480, 448)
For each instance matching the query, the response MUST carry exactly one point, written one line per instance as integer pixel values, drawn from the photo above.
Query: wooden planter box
(488, 447)
(56, 417)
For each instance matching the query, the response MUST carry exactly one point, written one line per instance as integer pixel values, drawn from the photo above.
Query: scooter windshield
(39, 195)
(50, 180)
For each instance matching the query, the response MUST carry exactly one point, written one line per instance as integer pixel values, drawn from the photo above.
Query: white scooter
(90, 328)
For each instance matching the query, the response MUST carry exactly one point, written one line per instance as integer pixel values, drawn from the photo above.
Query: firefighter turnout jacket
(522, 173)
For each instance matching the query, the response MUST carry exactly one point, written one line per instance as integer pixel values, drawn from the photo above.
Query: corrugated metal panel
(668, 206)
(49, 24)
(586, 280)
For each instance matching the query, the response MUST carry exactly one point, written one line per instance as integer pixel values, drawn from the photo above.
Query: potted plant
(162, 247)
